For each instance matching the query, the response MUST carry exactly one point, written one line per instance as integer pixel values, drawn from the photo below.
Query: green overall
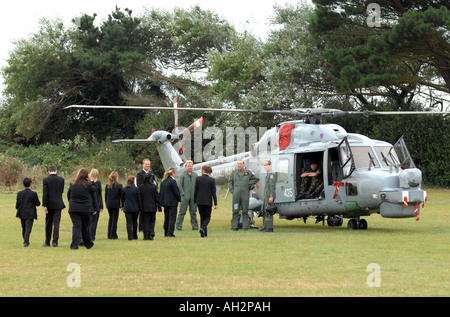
(269, 190)
(186, 184)
(239, 185)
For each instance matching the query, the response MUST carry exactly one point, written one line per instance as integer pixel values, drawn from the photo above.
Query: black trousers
(205, 217)
(81, 230)
(132, 218)
(94, 222)
(27, 225)
(170, 217)
(112, 222)
(52, 220)
(148, 224)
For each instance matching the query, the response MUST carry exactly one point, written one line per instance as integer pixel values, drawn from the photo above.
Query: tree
(57, 67)
(408, 52)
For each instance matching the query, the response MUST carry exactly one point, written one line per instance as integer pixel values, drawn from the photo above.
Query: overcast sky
(21, 18)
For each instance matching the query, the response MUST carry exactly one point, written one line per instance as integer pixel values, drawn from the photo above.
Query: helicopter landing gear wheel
(354, 224)
(362, 224)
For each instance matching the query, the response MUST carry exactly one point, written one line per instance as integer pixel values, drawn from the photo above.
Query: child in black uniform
(26, 203)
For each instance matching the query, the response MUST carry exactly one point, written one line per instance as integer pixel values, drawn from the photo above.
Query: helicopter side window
(282, 172)
(346, 157)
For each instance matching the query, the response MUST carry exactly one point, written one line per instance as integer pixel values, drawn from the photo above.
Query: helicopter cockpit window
(387, 156)
(402, 152)
(282, 172)
(364, 157)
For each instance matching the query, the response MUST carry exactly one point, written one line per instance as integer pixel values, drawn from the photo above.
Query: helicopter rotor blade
(297, 113)
(292, 113)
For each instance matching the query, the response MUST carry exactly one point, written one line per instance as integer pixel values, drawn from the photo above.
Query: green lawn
(296, 260)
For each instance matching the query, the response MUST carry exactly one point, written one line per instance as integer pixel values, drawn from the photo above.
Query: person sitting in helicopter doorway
(311, 185)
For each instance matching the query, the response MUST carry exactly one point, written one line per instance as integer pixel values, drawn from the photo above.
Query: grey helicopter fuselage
(361, 176)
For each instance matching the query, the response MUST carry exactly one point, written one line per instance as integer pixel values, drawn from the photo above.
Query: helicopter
(361, 176)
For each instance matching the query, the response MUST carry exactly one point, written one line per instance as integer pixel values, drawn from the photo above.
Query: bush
(10, 170)
(69, 156)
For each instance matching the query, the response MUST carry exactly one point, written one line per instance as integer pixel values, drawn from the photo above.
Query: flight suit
(312, 184)
(186, 184)
(239, 185)
(269, 190)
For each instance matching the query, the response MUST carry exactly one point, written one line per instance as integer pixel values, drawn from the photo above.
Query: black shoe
(54, 244)
(45, 244)
(26, 244)
(267, 230)
(314, 194)
(302, 195)
(202, 233)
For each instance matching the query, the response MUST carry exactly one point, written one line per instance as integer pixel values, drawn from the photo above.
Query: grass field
(296, 260)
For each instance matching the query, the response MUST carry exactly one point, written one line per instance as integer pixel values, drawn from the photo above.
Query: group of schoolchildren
(139, 199)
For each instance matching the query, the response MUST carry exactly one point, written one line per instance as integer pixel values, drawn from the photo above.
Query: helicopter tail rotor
(180, 135)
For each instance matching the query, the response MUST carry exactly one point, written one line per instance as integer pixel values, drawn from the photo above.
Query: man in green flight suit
(241, 180)
(269, 197)
(186, 184)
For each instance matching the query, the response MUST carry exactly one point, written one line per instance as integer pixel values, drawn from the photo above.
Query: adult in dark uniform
(82, 196)
(146, 170)
(170, 197)
(52, 201)
(26, 203)
(204, 194)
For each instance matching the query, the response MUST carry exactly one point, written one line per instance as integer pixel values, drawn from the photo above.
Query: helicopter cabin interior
(330, 165)
(303, 163)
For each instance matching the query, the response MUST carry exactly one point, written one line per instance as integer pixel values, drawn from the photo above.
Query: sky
(21, 18)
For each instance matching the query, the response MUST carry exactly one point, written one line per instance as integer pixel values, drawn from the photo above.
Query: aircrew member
(312, 182)
(269, 197)
(239, 184)
(186, 184)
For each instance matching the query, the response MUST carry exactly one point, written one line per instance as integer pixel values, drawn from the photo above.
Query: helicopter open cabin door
(285, 189)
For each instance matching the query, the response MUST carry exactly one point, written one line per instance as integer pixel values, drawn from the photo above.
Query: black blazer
(82, 197)
(131, 197)
(150, 197)
(98, 184)
(26, 203)
(169, 193)
(53, 188)
(205, 190)
(140, 178)
(113, 196)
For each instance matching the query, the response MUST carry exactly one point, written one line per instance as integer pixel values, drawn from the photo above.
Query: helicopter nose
(410, 178)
